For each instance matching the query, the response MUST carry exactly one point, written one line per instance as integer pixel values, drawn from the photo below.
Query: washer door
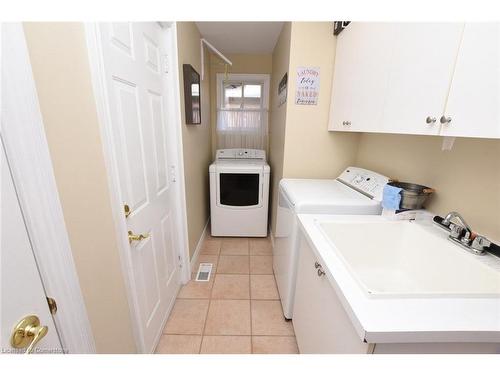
(239, 189)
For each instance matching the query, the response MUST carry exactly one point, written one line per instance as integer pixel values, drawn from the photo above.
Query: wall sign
(307, 90)
(282, 89)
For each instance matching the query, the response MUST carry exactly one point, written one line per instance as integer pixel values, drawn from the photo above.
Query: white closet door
(142, 152)
(21, 287)
(363, 55)
(421, 70)
(474, 99)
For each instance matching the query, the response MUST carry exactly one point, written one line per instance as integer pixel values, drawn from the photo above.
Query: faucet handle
(455, 230)
(466, 238)
(480, 243)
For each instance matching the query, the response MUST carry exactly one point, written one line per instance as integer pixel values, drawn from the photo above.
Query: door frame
(171, 81)
(35, 184)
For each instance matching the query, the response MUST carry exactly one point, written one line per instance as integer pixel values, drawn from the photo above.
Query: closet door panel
(474, 100)
(421, 71)
(362, 60)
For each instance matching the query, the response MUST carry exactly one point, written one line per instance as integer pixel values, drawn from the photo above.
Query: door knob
(27, 333)
(136, 237)
(430, 120)
(445, 120)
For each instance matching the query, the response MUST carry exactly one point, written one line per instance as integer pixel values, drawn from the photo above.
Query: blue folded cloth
(391, 197)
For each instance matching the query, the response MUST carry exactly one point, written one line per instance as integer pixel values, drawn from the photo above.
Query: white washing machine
(356, 191)
(239, 193)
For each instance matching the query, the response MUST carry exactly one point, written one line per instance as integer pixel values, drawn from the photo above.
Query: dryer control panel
(367, 182)
(240, 153)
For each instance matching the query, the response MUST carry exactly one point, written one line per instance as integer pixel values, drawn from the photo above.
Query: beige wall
(466, 179)
(196, 139)
(310, 150)
(304, 148)
(277, 116)
(59, 60)
(242, 63)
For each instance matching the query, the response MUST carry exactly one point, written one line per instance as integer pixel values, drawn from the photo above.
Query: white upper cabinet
(420, 73)
(474, 99)
(418, 78)
(360, 77)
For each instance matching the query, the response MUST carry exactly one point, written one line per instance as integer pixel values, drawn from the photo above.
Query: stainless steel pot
(413, 196)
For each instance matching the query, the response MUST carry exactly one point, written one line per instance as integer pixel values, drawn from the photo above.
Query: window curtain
(242, 128)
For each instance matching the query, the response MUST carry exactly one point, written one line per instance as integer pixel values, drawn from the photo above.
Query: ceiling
(241, 37)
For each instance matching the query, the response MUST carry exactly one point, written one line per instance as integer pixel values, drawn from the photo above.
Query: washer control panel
(365, 181)
(240, 153)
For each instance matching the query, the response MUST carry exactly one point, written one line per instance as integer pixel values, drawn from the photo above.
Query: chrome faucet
(456, 230)
(462, 233)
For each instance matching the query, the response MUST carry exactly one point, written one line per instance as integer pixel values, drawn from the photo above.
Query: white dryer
(356, 191)
(239, 193)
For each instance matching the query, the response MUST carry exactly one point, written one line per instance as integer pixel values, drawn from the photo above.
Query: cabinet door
(421, 71)
(474, 101)
(319, 319)
(362, 59)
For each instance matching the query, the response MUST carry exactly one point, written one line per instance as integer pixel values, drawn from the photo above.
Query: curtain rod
(214, 50)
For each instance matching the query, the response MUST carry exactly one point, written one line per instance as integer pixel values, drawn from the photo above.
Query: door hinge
(173, 173)
(165, 63)
(52, 305)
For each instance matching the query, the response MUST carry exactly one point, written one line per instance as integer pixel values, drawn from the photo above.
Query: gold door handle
(27, 333)
(136, 237)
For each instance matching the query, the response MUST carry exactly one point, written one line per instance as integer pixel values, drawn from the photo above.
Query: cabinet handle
(430, 120)
(445, 120)
(320, 272)
(346, 123)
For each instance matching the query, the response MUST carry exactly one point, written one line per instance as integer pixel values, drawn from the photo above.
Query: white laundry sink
(409, 259)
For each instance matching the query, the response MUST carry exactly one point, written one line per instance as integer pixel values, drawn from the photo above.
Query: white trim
(271, 236)
(199, 245)
(28, 155)
(258, 78)
(174, 117)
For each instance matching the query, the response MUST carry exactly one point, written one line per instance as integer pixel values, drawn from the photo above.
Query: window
(242, 102)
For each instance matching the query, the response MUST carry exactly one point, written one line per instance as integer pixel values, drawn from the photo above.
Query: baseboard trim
(197, 251)
(271, 237)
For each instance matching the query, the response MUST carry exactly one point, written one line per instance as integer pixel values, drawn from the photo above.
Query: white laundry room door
(24, 307)
(142, 150)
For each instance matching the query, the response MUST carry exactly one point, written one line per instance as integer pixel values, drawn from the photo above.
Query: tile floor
(237, 312)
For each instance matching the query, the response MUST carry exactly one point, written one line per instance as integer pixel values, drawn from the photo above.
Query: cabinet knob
(430, 120)
(319, 267)
(445, 120)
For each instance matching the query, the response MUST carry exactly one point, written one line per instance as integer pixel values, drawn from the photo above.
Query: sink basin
(408, 258)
